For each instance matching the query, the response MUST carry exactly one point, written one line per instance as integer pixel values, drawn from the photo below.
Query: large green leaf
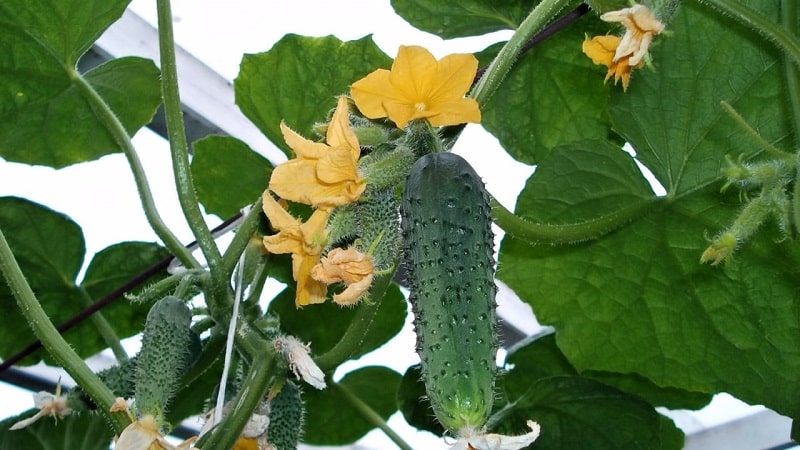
(332, 419)
(638, 300)
(579, 413)
(672, 117)
(74, 432)
(40, 44)
(228, 174)
(463, 18)
(554, 95)
(323, 325)
(298, 80)
(49, 248)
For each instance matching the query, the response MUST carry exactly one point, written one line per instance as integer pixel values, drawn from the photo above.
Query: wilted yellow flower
(640, 27)
(49, 405)
(420, 87)
(351, 267)
(601, 50)
(304, 241)
(144, 435)
(622, 55)
(322, 174)
(721, 248)
(298, 355)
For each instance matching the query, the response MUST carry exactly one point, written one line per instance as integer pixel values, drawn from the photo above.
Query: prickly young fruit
(448, 250)
(161, 361)
(286, 418)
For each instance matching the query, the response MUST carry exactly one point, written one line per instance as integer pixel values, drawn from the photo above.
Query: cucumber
(286, 418)
(448, 252)
(161, 361)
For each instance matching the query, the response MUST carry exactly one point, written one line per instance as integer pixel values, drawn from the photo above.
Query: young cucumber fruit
(162, 359)
(448, 251)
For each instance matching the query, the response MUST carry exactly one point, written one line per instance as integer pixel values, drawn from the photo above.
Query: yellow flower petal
(420, 87)
(351, 267)
(309, 290)
(322, 175)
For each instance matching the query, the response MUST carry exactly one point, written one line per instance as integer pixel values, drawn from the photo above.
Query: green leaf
(47, 119)
(108, 270)
(228, 174)
(73, 432)
(324, 324)
(672, 117)
(331, 419)
(49, 248)
(464, 18)
(61, 30)
(412, 401)
(553, 96)
(638, 300)
(297, 81)
(579, 413)
(539, 357)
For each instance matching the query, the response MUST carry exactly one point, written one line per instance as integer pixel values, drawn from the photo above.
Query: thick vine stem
(244, 232)
(537, 233)
(497, 71)
(774, 32)
(260, 377)
(354, 336)
(52, 340)
(117, 130)
(371, 416)
(176, 132)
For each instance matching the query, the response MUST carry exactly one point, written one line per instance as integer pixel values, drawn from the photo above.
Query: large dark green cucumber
(448, 251)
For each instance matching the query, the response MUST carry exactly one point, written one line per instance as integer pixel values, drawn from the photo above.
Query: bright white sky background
(100, 196)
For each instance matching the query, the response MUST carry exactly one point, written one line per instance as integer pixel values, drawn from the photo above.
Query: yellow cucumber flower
(322, 174)
(601, 50)
(144, 435)
(304, 241)
(622, 55)
(420, 87)
(640, 27)
(351, 267)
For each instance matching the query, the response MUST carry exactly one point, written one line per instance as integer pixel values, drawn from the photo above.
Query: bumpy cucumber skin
(286, 418)
(162, 359)
(448, 251)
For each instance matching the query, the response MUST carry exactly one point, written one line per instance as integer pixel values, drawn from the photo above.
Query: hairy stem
(371, 416)
(497, 71)
(537, 233)
(176, 133)
(52, 340)
(354, 336)
(254, 387)
(774, 32)
(238, 244)
(117, 130)
(105, 329)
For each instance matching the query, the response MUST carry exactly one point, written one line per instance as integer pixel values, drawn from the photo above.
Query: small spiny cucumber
(448, 251)
(286, 418)
(161, 361)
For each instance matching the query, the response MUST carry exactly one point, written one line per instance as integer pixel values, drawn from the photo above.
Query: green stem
(357, 330)
(242, 237)
(766, 146)
(761, 24)
(117, 130)
(254, 387)
(499, 68)
(52, 340)
(105, 329)
(789, 22)
(176, 133)
(371, 416)
(537, 233)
